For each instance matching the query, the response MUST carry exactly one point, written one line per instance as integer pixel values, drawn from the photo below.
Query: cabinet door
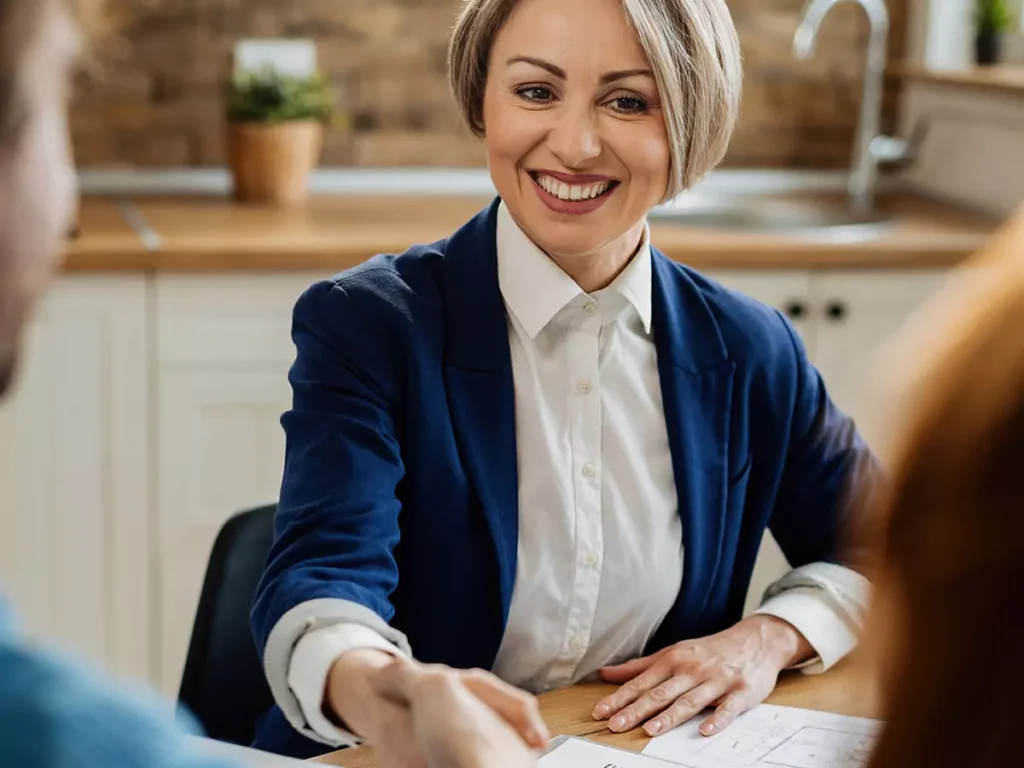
(857, 312)
(789, 292)
(221, 451)
(223, 352)
(75, 545)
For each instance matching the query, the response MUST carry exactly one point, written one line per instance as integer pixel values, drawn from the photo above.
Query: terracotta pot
(271, 163)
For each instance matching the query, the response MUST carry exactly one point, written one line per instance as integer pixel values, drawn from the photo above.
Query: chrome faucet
(871, 149)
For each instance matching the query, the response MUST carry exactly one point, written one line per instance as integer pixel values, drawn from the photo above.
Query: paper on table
(580, 753)
(773, 737)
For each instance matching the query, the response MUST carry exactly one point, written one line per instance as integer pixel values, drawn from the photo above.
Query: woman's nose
(574, 139)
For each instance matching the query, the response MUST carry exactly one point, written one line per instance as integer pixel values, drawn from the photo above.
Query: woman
(539, 446)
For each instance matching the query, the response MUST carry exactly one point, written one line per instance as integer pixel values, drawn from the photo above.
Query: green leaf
(994, 15)
(270, 97)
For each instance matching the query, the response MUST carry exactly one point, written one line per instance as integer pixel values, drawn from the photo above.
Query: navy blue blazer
(400, 484)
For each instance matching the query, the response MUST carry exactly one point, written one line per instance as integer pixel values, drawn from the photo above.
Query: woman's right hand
(465, 719)
(419, 716)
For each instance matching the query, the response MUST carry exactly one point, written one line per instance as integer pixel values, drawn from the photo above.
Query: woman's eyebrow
(611, 77)
(607, 77)
(546, 65)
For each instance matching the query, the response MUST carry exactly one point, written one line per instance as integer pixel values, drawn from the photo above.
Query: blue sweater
(54, 714)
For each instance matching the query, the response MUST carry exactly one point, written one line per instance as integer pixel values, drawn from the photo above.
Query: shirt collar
(535, 289)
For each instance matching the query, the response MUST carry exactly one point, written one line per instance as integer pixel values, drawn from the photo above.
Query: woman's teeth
(564, 191)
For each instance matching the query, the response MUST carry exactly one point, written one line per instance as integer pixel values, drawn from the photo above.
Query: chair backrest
(223, 683)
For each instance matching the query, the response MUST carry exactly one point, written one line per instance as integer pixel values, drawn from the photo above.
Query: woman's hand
(371, 694)
(734, 671)
(463, 719)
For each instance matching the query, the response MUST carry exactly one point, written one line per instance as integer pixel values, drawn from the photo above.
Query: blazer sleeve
(337, 520)
(827, 468)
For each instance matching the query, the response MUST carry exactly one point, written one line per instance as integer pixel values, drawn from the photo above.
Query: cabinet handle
(796, 310)
(836, 311)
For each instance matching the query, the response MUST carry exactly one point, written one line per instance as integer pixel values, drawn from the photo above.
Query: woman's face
(576, 139)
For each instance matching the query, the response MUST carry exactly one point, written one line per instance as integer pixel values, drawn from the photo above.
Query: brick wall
(152, 96)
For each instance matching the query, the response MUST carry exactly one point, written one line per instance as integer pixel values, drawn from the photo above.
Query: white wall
(974, 153)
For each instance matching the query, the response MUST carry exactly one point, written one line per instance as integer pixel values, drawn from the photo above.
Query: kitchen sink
(826, 219)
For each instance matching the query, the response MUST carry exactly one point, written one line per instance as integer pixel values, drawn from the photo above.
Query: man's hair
(20, 21)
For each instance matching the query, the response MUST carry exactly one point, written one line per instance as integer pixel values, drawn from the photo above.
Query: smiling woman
(499, 442)
(619, 112)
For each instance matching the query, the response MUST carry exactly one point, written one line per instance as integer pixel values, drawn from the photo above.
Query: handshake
(418, 716)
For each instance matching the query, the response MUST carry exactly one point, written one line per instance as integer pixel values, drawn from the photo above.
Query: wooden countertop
(845, 690)
(104, 236)
(330, 234)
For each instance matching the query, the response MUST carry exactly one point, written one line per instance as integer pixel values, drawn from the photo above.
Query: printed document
(772, 737)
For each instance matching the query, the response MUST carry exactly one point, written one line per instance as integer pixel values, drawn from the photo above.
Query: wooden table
(845, 690)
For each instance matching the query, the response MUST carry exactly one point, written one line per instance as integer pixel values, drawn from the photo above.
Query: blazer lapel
(696, 382)
(481, 396)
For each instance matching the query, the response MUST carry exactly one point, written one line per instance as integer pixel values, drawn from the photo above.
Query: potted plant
(994, 18)
(275, 134)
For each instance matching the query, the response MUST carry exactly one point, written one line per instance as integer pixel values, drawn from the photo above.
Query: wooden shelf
(1004, 78)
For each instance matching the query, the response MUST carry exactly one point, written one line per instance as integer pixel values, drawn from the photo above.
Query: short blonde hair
(693, 50)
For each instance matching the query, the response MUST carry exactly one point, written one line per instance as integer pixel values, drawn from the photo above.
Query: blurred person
(541, 447)
(946, 625)
(54, 714)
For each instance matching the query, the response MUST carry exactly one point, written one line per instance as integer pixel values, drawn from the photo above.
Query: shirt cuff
(299, 621)
(812, 616)
(311, 664)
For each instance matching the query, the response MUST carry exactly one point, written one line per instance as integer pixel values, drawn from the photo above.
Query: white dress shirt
(598, 517)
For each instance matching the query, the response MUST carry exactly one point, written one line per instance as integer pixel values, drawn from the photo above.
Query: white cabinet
(75, 526)
(844, 318)
(855, 314)
(223, 355)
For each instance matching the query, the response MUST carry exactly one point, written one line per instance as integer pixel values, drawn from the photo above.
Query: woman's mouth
(575, 198)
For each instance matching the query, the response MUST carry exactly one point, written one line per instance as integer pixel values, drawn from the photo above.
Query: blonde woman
(540, 447)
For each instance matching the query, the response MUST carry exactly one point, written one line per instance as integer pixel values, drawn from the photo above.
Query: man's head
(38, 44)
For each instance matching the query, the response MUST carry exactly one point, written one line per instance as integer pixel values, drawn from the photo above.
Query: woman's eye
(629, 105)
(536, 94)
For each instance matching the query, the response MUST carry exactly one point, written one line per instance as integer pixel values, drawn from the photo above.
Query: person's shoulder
(387, 280)
(56, 713)
(749, 328)
(387, 292)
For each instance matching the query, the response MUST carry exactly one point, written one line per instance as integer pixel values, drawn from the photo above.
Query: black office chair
(223, 683)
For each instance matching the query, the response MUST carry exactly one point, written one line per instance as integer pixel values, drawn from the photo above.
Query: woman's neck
(598, 269)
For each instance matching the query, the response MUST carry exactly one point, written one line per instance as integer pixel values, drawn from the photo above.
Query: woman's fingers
(621, 673)
(731, 707)
(517, 708)
(612, 706)
(687, 706)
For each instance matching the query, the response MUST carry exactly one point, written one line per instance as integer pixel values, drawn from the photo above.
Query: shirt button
(589, 470)
(585, 387)
(575, 642)
(590, 309)
(591, 559)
